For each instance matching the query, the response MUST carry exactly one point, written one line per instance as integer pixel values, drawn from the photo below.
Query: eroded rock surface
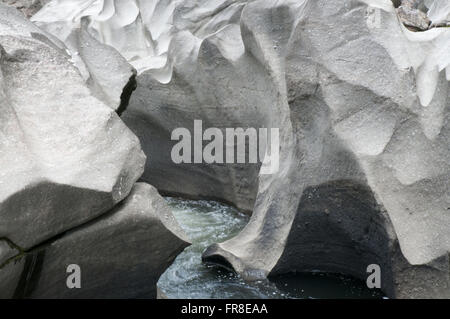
(365, 163)
(362, 104)
(122, 254)
(68, 164)
(169, 42)
(107, 73)
(66, 156)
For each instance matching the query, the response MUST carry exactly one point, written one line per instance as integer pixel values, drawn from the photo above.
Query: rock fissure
(126, 94)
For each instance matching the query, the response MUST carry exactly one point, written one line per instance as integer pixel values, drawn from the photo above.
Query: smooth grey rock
(66, 156)
(7, 251)
(362, 105)
(10, 275)
(121, 254)
(200, 90)
(109, 76)
(364, 163)
(188, 46)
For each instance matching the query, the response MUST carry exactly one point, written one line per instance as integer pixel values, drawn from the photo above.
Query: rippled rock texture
(185, 63)
(365, 172)
(362, 104)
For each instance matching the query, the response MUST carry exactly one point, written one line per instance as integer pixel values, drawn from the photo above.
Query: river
(208, 222)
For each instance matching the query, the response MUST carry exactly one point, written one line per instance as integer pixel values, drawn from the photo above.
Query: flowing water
(208, 222)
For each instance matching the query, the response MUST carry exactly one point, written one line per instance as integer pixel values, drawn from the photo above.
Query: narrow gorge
(92, 91)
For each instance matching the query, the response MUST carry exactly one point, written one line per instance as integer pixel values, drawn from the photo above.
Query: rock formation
(66, 152)
(179, 49)
(121, 254)
(362, 104)
(365, 176)
(107, 73)
(67, 165)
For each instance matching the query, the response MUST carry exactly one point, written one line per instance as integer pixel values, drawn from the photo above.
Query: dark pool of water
(208, 222)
